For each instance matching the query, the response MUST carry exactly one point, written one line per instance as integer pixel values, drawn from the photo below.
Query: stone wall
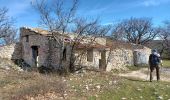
(55, 55)
(17, 54)
(115, 59)
(48, 52)
(119, 58)
(34, 39)
(141, 56)
(12, 51)
(7, 51)
(82, 60)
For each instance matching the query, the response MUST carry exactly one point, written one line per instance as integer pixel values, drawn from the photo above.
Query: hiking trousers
(152, 67)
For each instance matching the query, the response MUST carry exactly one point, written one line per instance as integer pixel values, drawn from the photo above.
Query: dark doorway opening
(90, 55)
(64, 54)
(35, 55)
(102, 61)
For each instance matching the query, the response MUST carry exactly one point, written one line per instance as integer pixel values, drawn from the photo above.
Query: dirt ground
(144, 74)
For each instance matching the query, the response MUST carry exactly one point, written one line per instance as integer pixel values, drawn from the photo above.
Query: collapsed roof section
(83, 41)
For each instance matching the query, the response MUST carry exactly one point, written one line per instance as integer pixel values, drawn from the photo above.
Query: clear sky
(109, 11)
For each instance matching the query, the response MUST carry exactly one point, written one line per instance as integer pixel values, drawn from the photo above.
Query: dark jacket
(154, 59)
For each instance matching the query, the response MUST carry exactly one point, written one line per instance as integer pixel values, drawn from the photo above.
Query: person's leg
(157, 73)
(151, 71)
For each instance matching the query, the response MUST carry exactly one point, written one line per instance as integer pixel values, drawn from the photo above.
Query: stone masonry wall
(7, 51)
(45, 51)
(141, 56)
(119, 58)
(116, 59)
(84, 62)
(34, 40)
(12, 51)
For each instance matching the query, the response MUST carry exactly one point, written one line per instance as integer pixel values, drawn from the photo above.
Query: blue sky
(109, 11)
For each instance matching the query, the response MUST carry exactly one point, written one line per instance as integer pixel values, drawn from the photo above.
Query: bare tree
(135, 30)
(7, 30)
(61, 19)
(164, 33)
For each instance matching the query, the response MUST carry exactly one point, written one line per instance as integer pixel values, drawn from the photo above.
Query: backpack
(154, 60)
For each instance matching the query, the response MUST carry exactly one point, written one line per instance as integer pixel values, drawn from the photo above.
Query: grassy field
(138, 90)
(166, 63)
(85, 86)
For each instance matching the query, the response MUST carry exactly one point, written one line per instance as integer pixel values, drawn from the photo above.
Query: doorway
(35, 55)
(102, 61)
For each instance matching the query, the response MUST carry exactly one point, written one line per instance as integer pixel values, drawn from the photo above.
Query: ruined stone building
(36, 50)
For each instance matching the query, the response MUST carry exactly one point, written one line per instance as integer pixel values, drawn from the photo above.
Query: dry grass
(34, 86)
(83, 86)
(20, 85)
(15, 85)
(89, 84)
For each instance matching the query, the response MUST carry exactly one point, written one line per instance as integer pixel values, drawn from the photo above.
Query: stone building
(36, 50)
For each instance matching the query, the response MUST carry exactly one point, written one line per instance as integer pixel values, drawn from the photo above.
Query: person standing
(154, 61)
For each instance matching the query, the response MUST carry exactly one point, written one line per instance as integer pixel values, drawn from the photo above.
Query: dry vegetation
(22, 85)
(85, 86)
(91, 85)
(31, 85)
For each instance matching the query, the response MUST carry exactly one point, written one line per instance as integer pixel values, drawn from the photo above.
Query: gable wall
(34, 40)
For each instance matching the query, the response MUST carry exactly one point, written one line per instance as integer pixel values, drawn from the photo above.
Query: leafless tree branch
(135, 30)
(7, 30)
